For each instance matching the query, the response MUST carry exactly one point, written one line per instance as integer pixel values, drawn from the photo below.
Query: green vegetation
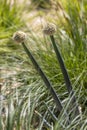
(27, 103)
(41, 3)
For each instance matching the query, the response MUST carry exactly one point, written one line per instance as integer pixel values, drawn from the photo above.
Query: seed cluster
(49, 29)
(19, 36)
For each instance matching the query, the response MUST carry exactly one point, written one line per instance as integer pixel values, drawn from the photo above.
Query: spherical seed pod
(19, 36)
(49, 29)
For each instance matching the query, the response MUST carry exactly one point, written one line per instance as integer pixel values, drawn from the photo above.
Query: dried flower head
(49, 29)
(19, 36)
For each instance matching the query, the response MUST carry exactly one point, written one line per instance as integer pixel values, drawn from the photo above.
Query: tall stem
(65, 73)
(44, 77)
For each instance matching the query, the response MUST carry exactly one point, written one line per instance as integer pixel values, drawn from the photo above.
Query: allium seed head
(19, 36)
(49, 29)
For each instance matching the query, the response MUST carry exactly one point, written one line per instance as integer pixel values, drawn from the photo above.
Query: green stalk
(65, 73)
(45, 79)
